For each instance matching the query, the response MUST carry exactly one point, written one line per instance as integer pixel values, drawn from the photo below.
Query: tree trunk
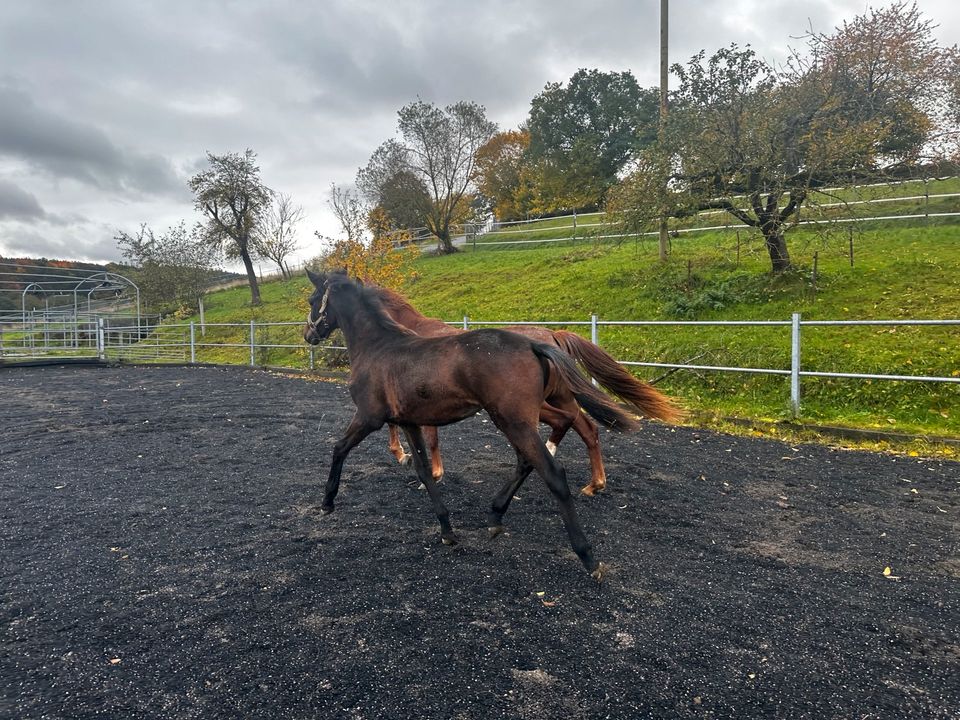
(444, 246)
(777, 249)
(251, 276)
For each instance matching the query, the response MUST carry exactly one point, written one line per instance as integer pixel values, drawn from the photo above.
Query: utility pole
(664, 72)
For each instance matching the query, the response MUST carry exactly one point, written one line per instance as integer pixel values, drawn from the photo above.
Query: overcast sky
(108, 106)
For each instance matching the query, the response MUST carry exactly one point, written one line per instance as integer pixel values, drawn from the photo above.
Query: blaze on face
(318, 326)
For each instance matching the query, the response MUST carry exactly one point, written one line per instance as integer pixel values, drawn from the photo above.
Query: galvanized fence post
(193, 342)
(795, 365)
(594, 338)
(101, 346)
(466, 322)
(253, 340)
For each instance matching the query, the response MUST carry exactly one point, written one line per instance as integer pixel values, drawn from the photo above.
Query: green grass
(899, 271)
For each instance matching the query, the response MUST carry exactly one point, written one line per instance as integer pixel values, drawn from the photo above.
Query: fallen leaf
(887, 571)
(114, 661)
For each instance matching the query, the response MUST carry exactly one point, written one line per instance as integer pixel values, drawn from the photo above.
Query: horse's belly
(433, 411)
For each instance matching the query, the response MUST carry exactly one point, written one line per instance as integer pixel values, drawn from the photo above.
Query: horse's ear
(315, 279)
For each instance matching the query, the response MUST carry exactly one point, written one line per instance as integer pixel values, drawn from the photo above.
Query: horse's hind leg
(588, 431)
(557, 419)
(527, 442)
(502, 499)
(393, 444)
(559, 422)
(417, 444)
(358, 429)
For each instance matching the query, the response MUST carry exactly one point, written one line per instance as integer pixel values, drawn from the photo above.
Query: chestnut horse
(642, 396)
(396, 376)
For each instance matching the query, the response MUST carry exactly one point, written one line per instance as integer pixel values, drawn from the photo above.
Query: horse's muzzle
(310, 334)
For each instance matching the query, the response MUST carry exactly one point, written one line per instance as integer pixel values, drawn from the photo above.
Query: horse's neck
(362, 330)
(410, 318)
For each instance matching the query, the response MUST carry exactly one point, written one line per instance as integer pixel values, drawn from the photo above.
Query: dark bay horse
(642, 396)
(396, 376)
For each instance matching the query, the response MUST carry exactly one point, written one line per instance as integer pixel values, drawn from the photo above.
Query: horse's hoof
(326, 510)
(450, 540)
(598, 573)
(592, 489)
(405, 460)
(495, 530)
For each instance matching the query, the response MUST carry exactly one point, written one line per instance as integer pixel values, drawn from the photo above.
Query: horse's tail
(612, 376)
(600, 407)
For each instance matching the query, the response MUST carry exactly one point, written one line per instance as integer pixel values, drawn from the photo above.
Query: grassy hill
(898, 272)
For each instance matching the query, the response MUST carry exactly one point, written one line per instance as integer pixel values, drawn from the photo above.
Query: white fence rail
(251, 343)
(585, 230)
(795, 372)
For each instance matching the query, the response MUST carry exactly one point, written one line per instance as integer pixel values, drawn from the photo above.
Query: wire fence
(595, 227)
(281, 344)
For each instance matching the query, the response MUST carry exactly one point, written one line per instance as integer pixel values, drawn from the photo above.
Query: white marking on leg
(551, 447)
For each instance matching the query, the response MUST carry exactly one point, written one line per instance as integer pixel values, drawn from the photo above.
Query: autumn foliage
(384, 259)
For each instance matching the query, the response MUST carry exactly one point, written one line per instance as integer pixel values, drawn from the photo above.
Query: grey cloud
(17, 204)
(18, 240)
(107, 107)
(25, 242)
(67, 148)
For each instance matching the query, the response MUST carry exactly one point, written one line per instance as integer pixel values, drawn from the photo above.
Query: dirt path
(162, 555)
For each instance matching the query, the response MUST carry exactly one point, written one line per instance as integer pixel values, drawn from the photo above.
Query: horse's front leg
(420, 457)
(402, 456)
(358, 429)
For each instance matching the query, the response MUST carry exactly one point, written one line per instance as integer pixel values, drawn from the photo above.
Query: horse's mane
(370, 300)
(398, 306)
(394, 300)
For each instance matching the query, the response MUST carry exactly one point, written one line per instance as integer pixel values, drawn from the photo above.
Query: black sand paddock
(162, 554)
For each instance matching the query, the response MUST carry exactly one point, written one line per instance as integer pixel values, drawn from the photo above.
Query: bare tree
(350, 211)
(274, 238)
(233, 199)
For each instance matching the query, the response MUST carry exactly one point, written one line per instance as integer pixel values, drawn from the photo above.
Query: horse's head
(320, 321)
